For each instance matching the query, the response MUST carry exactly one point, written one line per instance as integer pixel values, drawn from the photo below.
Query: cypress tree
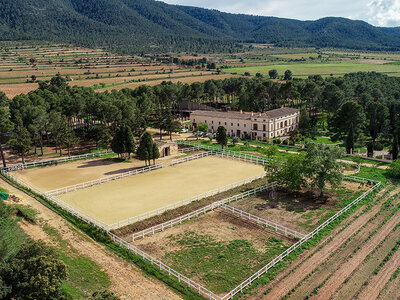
(156, 153)
(221, 137)
(350, 140)
(395, 147)
(117, 143)
(145, 149)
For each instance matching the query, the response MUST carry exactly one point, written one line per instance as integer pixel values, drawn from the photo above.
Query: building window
(238, 125)
(264, 127)
(264, 135)
(244, 125)
(285, 123)
(219, 123)
(212, 122)
(255, 127)
(231, 124)
(225, 123)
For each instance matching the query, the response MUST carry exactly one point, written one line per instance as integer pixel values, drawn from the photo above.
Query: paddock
(65, 174)
(131, 196)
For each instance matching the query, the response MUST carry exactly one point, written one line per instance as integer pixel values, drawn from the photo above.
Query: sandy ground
(124, 198)
(65, 174)
(128, 281)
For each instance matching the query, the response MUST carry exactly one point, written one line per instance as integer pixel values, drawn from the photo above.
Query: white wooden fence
(55, 161)
(189, 149)
(309, 236)
(183, 202)
(275, 226)
(225, 151)
(65, 206)
(171, 272)
(223, 154)
(83, 185)
(200, 211)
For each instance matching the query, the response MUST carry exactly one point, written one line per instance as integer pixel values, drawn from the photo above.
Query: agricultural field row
(349, 262)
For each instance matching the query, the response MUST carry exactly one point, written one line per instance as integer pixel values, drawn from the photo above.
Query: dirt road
(128, 281)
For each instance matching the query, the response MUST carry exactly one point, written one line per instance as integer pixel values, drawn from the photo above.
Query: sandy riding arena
(65, 174)
(124, 198)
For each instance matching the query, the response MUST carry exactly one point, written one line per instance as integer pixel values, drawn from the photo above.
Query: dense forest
(131, 26)
(360, 108)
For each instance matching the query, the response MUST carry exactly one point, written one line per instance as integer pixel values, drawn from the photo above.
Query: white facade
(267, 125)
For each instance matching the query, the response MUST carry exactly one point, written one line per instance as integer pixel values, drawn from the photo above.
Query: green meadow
(302, 70)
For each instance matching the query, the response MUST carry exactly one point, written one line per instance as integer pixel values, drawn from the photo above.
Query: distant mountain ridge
(148, 24)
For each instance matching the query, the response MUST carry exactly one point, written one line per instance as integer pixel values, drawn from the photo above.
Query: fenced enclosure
(198, 212)
(222, 154)
(181, 278)
(235, 154)
(83, 185)
(161, 210)
(55, 161)
(272, 225)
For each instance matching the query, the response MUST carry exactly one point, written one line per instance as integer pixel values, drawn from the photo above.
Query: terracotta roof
(280, 112)
(223, 115)
(272, 114)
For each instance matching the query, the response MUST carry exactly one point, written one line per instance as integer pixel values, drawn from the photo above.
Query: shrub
(378, 146)
(394, 169)
(285, 142)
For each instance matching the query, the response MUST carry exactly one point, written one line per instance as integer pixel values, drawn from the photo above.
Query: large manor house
(266, 125)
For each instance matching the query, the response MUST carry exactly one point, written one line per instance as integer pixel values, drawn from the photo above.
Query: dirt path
(347, 268)
(335, 241)
(378, 282)
(128, 282)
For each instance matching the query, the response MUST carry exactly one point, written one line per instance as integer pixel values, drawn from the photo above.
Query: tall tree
(321, 166)
(377, 114)
(222, 137)
(5, 126)
(145, 149)
(349, 119)
(288, 172)
(20, 141)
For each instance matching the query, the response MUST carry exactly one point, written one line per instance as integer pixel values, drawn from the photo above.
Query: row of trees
(360, 107)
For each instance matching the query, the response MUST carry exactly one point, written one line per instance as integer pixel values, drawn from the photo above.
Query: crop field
(22, 67)
(359, 260)
(300, 211)
(218, 250)
(120, 199)
(303, 70)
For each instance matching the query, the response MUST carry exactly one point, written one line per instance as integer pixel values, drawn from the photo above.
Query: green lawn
(324, 69)
(220, 265)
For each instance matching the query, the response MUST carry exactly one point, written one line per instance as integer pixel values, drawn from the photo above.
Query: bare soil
(128, 281)
(311, 259)
(300, 211)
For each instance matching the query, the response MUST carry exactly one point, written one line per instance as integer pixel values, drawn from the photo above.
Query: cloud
(384, 12)
(376, 12)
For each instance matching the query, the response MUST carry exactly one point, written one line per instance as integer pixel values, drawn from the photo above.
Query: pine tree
(21, 141)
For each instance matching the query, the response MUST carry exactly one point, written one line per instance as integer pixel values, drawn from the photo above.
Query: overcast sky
(376, 12)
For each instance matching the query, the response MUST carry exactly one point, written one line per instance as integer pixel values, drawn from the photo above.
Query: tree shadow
(296, 201)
